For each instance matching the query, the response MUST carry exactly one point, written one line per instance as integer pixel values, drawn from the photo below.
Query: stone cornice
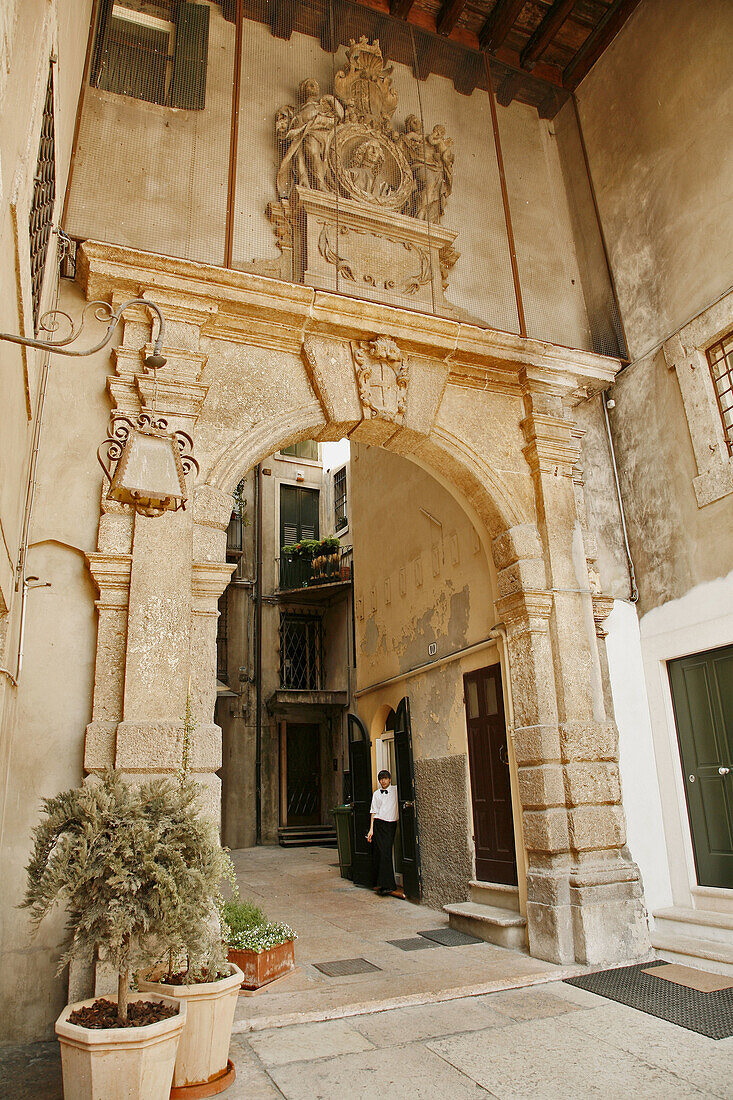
(248, 308)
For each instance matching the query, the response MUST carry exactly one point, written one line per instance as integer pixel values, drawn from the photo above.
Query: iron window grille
(301, 651)
(339, 499)
(720, 358)
(43, 200)
(158, 60)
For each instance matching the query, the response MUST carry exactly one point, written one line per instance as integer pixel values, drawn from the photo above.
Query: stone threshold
(385, 1004)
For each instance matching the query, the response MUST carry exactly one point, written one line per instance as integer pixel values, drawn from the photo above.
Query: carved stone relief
(361, 201)
(382, 376)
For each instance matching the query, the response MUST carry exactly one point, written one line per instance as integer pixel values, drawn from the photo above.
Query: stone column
(583, 891)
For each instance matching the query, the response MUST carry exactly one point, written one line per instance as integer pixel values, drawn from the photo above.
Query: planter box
(119, 1062)
(262, 967)
(203, 1051)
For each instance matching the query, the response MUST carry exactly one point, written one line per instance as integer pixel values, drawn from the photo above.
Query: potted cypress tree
(137, 867)
(199, 975)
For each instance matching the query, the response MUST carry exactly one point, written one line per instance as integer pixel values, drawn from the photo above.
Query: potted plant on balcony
(137, 867)
(263, 950)
(325, 559)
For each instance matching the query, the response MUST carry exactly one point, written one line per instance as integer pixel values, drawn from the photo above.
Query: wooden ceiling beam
(596, 42)
(449, 14)
(546, 31)
(400, 9)
(501, 20)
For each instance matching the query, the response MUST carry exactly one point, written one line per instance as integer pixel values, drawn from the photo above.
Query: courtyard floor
(443, 1022)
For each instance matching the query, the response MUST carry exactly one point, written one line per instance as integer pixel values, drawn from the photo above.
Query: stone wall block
(589, 741)
(550, 932)
(535, 745)
(594, 827)
(520, 541)
(115, 534)
(546, 830)
(99, 746)
(526, 573)
(444, 828)
(595, 782)
(541, 786)
(606, 932)
(330, 368)
(158, 747)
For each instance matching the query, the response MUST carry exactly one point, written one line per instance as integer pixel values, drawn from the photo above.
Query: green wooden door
(360, 771)
(702, 693)
(405, 780)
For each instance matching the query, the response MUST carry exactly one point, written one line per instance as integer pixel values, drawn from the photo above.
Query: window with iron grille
(720, 358)
(155, 59)
(339, 499)
(235, 531)
(301, 651)
(42, 203)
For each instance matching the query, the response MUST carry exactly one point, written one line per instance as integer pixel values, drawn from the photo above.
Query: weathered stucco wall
(41, 722)
(657, 114)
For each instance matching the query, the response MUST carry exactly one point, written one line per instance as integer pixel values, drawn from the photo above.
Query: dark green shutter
(189, 65)
(298, 514)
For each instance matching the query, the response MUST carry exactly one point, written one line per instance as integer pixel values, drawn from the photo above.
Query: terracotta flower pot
(203, 1052)
(119, 1062)
(262, 967)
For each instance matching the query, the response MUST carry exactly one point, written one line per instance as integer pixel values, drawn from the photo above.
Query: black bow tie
(384, 790)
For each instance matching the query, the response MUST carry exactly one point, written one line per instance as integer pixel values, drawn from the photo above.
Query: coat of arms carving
(382, 376)
(360, 200)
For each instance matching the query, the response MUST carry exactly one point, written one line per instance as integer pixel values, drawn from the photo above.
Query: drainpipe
(634, 591)
(258, 655)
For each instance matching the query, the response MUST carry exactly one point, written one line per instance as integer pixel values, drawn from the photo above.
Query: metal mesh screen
(264, 168)
(301, 651)
(720, 358)
(42, 202)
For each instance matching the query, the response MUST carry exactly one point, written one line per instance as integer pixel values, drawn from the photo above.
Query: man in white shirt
(381, 835)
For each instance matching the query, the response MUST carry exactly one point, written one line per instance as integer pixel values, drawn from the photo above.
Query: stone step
(489, 922)
(690, 951)
(696, 923)
(496, 894)
(300, 836)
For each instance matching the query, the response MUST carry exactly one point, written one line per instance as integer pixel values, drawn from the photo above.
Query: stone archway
(254, 364)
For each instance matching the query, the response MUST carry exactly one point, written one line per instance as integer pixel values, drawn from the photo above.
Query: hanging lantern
(146, 465)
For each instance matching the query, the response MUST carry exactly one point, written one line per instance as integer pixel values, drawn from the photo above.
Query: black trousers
(382, 841)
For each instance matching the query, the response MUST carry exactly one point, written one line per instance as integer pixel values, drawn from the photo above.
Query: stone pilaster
(583, 891)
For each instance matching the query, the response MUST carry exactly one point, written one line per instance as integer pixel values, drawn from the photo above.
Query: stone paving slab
(407, 1072)
(548, 1059)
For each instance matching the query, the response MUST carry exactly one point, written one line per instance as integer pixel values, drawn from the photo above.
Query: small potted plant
(263, 950)
(330, 552)
(136, 866)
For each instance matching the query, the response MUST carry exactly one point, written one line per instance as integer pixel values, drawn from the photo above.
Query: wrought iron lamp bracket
(54, 319)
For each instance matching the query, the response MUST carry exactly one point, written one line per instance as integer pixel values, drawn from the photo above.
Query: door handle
(723, 771)
(407, 805)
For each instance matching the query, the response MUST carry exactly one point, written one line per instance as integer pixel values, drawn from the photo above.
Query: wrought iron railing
(295, 572)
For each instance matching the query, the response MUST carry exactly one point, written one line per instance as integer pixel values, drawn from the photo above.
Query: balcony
(320, 578)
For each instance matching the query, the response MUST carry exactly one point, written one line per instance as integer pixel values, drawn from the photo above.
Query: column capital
(526, 611)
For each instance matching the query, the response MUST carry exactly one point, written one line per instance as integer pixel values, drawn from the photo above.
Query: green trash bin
(342, 817)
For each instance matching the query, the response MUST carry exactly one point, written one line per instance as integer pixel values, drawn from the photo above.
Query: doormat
(638, 987)
(449, 937)
(342, 968)
(704, 981)
(414, 943)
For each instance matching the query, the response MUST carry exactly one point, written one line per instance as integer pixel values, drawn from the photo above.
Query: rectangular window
(308, 448)
(43, 200)
(157, 60)
(301, 651)
(720, 358)
(298, 514)
(339, 499)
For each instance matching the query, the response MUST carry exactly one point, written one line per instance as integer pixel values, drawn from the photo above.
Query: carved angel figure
(431, 159)
(308, 133)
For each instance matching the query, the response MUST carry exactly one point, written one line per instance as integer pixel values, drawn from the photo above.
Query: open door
(405, 779)
(360, 765)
